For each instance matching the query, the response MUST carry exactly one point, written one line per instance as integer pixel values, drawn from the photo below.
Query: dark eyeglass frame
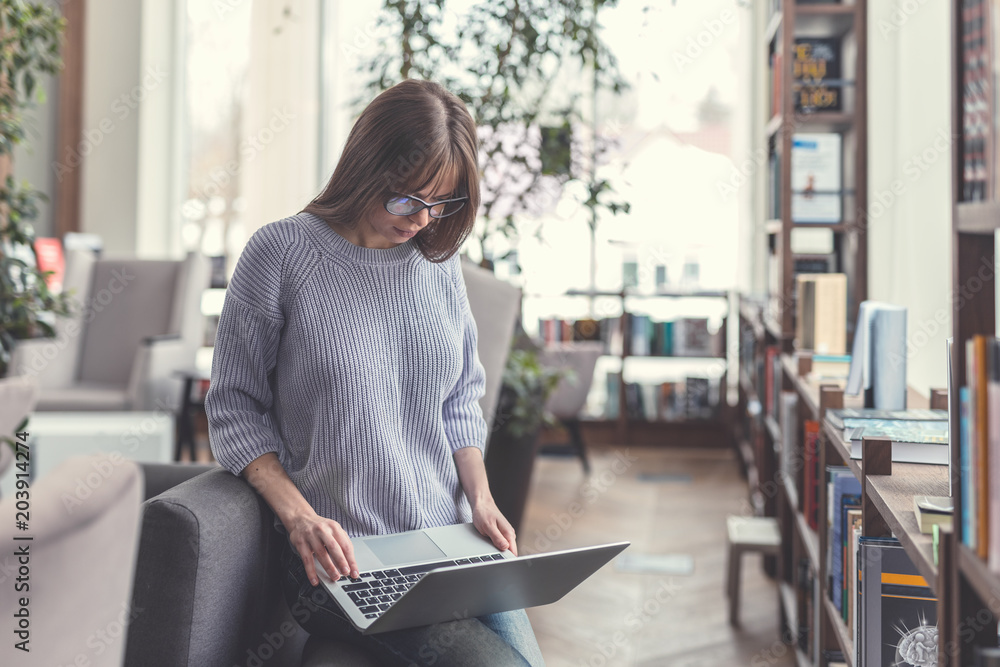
(428, 206)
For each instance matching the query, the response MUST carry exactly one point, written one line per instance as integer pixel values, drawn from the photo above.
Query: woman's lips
(404, 233)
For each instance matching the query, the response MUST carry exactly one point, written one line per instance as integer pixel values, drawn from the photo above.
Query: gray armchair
(135, 322)
(208, 573)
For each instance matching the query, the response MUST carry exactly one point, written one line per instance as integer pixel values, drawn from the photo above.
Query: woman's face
(385, 230)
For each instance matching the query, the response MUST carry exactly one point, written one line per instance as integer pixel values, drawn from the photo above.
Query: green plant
(526, 387)
(518, 65)
(29, 48)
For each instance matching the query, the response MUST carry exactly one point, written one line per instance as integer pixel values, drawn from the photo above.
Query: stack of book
(918, 436)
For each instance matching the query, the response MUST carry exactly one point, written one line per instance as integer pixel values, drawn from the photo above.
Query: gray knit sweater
(358, 367)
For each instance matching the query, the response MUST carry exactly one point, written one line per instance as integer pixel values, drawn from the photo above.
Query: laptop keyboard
(374, 592)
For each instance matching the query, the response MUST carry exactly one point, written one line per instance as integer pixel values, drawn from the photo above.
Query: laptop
(422, 577)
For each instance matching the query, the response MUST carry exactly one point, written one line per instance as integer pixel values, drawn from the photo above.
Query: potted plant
(520, 416)
(29, 49)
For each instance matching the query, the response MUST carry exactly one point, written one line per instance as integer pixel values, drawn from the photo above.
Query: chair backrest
(495, 305)
(134, 299)
(570, 394)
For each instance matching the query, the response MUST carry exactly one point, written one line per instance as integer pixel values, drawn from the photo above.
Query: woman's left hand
(491, 524)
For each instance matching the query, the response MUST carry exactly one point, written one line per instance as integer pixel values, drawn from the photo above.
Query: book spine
(965, 470)
(993, 446)
(981, 426)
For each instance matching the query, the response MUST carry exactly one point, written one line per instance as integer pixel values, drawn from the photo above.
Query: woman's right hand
(312, 534)
(308, 532)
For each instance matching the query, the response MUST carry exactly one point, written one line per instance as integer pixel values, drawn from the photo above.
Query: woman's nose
(421, 217)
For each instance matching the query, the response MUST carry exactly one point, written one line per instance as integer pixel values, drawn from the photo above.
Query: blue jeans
(504, 640)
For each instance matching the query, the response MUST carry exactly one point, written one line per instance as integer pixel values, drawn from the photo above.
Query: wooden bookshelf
(625, 429)
(971, 585)
(890, 497)
(846, 22)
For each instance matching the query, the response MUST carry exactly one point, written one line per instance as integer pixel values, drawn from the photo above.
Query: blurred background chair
(135, 323)
(84, 525)
(570, 395)
(495, 306)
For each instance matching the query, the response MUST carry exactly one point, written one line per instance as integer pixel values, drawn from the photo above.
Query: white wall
(909, 181)
(280, 174)
(112, 81)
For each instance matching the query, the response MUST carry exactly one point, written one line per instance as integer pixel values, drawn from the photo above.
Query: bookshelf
(631, 367)
(887, 491)
(970, 586)
(829, 99)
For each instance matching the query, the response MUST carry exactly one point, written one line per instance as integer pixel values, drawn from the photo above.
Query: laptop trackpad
(404, 548)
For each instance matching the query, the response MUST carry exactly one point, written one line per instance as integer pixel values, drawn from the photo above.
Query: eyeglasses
(408, 205)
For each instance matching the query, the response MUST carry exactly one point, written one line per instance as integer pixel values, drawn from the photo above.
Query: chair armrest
(152, 384)
(208, 579)
(160, 338)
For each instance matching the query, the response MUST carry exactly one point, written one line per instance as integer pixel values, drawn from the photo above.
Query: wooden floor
(646, 620)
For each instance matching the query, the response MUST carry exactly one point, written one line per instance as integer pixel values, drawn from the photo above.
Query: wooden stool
(747, 534)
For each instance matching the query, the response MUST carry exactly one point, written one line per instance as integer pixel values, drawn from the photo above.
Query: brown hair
(403, 141)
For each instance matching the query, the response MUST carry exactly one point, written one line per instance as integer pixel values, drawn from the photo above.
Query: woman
(345, 381)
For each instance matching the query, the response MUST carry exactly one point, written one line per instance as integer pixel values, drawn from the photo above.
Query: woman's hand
(308, 532)
(492, 524)
(486, 517)
(312, 534)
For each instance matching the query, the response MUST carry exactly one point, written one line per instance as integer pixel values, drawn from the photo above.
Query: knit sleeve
(463, 417)
(239, 400)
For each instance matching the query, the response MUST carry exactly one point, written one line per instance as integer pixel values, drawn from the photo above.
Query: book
(993, 447)
(810, 473)
(816, 74)
(931, 511)
(851, 577)
(817, 186)
(857, 416)
(898, 611)
(976, 376)
(850, 502)
(968, 517)
(788, 414)
(821, 312)
(843, 483)
(898, 430)
(908, 445)
(878, 357)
